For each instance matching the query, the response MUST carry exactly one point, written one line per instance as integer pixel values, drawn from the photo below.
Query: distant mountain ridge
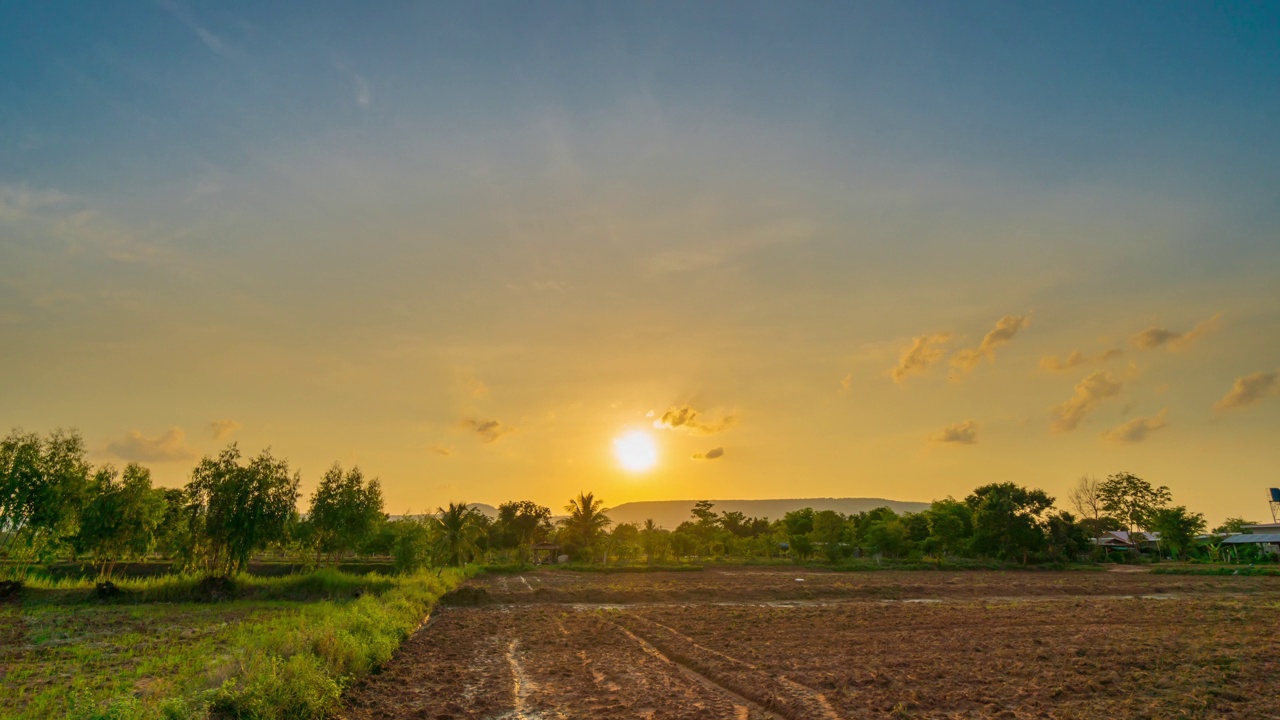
(670, 513)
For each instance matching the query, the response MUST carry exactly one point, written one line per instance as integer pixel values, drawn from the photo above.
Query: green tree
(1065, 538)
(345, 510)
(950, 526)
(412, 548)
(801, 546)
(1132, 501)
(1178, 528)
(1233, 525)
(798, 522)
(455, 530)
(43, 486)
(703, 513)
(654, 540)
(236, 509)
(1007, 520)
(889, 536)
(120, 519)
(519, 525)
(586, 522)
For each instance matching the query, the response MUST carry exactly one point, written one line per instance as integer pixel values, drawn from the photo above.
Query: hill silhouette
(670, 513)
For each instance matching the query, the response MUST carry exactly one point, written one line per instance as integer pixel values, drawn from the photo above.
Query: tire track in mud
(742, 706)
(828, 711)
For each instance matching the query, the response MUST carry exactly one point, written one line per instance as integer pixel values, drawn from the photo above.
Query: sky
(804, 249)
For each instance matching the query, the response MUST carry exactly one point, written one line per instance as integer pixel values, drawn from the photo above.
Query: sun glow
(636, 451)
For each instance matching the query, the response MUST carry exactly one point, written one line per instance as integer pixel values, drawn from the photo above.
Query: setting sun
(636, 451)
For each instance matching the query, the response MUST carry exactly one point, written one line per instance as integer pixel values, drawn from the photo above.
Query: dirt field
(778, 643)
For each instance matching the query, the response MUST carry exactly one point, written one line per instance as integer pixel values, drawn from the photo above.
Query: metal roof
(1252, 538)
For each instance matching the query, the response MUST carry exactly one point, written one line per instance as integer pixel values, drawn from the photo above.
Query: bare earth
(787, 643)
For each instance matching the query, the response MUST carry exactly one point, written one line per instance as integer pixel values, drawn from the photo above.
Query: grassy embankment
(284, 647)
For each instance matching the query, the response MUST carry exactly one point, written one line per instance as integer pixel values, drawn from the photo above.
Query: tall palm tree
(586, 521)
(456, 530)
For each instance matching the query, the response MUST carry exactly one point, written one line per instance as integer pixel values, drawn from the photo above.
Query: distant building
(1265, 535)
(1122, 540)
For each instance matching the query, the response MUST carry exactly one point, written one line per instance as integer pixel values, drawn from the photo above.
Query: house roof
(1123, 536)
(1252, 538)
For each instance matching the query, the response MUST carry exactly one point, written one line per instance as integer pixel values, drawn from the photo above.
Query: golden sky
(898, 271)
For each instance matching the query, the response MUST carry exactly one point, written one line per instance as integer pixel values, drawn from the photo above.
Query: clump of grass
(297, 665)
(326, 583)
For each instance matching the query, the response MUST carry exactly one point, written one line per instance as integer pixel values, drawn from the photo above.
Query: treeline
(55, 506)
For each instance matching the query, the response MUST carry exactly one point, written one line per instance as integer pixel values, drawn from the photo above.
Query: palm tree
(586, 521)
(456, 530)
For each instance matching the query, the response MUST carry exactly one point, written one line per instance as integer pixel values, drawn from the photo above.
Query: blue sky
(350, 231)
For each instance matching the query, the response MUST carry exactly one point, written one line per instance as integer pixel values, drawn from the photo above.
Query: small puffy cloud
(1005, 330)
(441, 450)
(1052, 363)
(1089, 393)
(488, 430)
(965, 433)
(1137, 429)
(711, 454)
(847, 382)
(1248, 390)
(168, 447)
(923, 352)
(1155, 337)
(684, 417)
(223, 429)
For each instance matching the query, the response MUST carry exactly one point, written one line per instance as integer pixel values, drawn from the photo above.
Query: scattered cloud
(168, 447)
(1005, 330)
(1137, 429)
(684, 417)
(222, 429)
(712, 454)
(846, 382)
(923, 352)
(1089, 393)
(1248, 390)
(1155, 337)
(361, 85)
(441, 450)
(488, 430)
(210, 40)
(1052, 363)
(965, 433)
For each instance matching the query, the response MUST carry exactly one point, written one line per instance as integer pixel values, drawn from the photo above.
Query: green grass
(328, 584)
(248, 658)
(1270, 570)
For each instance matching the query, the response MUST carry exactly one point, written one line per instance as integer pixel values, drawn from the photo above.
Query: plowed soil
(795, 644)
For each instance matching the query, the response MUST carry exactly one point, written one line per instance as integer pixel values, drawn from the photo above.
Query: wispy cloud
(1137, 429)
(487, 430)
(222, 429)
(684, 417)
(441, 450)
(923, 352)
(1248, 390)
(1155, 337)
(171, 446)
(1005, 330)
(1052, 363)
(1089, 393)
(187, 18)
(712, 454)
(361, 86)
(964, 433)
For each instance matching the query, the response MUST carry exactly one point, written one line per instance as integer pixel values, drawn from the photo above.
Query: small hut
(545, 553)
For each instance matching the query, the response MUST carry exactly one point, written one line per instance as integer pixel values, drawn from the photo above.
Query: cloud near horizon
(964, 433)
(488, 430)
(1005, 330)
(1053, 363)
(222, 429)
(1137, 429)
(1248, 389)
(1089, 393)
(923, 352)
(170, 446)
(1155, 337)
(684, 417)
(712, 454)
